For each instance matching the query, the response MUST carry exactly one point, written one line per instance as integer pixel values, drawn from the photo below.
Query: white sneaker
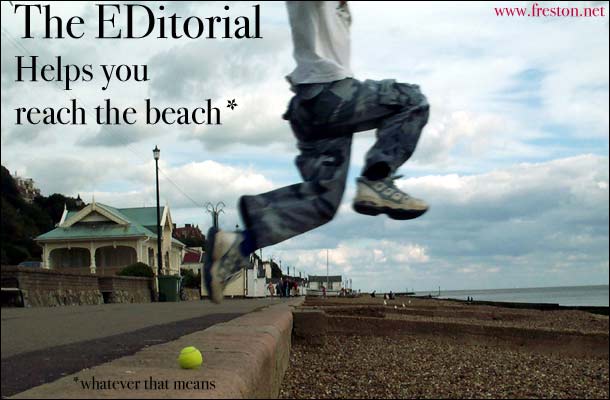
(223, 261)
(383, 197)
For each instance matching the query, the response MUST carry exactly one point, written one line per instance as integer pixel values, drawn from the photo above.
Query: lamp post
(326, 269)
(215, 210)
(157, 153)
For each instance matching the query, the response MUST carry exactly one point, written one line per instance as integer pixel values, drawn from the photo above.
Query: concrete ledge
(243, 358)
(309, 327)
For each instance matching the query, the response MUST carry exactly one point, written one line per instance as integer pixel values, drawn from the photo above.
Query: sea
(566, 296)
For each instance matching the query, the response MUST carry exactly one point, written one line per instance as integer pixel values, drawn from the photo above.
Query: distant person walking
(287, 285)
(295, 287)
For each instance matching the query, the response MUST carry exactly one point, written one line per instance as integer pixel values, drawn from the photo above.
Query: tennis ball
(190, 358)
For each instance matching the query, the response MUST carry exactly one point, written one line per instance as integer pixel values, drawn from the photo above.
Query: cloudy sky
(514, 160)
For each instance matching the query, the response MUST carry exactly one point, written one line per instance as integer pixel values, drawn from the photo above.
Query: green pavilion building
(103, 240)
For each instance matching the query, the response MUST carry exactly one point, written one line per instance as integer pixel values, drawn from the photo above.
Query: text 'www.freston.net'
(537, 11)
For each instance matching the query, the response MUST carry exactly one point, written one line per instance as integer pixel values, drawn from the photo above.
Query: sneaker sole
(402, 215)
(214, 288)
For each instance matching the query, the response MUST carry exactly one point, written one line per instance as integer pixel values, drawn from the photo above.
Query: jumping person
(328, 107)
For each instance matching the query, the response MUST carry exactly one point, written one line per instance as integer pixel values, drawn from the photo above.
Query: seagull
(409, 301)
(385, 303)
(403, 305)
(395, 307)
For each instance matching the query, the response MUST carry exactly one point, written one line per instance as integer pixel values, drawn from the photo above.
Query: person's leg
(399, 111)
(397, 135)
(323, 118)
(280, 214)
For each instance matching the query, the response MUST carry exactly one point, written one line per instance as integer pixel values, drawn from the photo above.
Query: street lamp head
(215, 209)
(156, 152)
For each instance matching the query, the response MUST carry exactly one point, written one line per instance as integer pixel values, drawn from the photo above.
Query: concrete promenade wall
(192, 294)
(243, 358)
(126, 289)
(47, 288)
(42, 287)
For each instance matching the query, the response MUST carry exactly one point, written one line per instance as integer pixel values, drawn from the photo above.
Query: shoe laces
(390, 181)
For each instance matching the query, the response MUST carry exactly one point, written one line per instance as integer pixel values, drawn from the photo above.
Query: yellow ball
(190, 358)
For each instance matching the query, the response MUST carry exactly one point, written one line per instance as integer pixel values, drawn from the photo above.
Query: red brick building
(190, 234)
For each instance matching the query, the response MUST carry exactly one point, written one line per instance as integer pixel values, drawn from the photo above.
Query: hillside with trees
(21, 221)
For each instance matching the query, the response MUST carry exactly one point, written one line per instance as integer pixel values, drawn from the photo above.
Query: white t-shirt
(320, 34)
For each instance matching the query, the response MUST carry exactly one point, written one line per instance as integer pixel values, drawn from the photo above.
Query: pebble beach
(354, 365)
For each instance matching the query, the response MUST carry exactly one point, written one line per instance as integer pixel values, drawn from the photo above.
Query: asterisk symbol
(232, 104)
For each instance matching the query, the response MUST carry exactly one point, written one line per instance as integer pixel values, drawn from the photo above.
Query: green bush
(190, 279)
(137, 269)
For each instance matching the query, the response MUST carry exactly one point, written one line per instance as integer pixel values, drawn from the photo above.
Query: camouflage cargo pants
(324, 118)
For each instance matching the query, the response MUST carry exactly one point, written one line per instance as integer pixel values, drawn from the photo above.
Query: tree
(276, 271)
(23, 222)
(137, 269)
(190, 279)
